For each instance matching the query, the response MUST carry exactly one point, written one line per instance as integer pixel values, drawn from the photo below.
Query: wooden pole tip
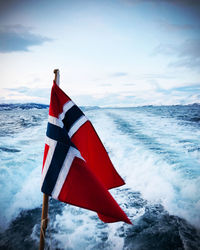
(57, 76)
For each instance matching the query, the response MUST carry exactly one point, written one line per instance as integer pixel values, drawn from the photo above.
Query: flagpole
(44, 217)
(44, 221)
(57, 76)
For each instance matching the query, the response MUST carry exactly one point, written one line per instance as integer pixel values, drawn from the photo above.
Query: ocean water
(155, 149)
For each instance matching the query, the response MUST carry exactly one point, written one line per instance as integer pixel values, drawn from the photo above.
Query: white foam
(147, 171)
(20, 184)
(144, 170)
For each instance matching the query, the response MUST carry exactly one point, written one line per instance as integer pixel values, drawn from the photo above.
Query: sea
(156, 150)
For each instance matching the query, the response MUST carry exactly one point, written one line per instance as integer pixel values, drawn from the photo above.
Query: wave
(10, 150)
(156, 151)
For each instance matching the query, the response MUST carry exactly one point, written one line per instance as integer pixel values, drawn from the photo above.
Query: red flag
(76, 166)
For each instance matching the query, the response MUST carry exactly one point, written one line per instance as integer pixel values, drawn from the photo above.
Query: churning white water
(155, 149)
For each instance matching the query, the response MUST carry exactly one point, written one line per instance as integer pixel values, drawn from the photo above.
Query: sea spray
(155, 149)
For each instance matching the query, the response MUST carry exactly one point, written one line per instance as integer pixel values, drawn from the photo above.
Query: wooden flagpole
(57, 76)
(44, 221)
(44, 217)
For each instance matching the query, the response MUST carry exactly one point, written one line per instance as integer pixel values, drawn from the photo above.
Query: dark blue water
(156, 149)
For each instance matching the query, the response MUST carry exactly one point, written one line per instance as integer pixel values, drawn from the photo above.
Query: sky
(109, 53)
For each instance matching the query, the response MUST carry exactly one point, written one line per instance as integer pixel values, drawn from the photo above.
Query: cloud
(119, 74)
(174, 27)
(174, 2)
(185, 94)
(181, 2)
(153, 97)
(24, 94)
(187, 54)
(194, 88)
(129, 84)
(156, 76)
(18, 38)
(188, 93)
(106, 84)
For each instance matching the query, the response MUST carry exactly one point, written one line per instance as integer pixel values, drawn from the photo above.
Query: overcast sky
(110, 53)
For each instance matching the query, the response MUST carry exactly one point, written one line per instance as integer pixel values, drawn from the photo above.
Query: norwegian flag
(76, 167)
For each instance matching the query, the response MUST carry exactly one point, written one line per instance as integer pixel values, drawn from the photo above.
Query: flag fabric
(76, 167)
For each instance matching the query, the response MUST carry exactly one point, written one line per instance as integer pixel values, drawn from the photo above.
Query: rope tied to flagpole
(44, 223)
